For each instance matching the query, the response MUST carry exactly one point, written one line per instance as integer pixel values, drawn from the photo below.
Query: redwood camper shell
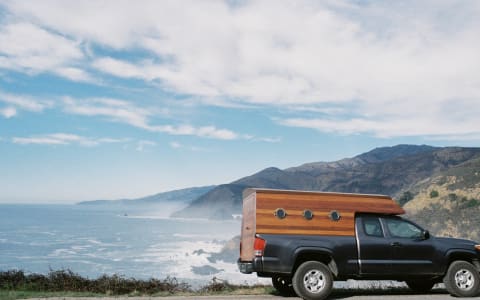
(267, 211)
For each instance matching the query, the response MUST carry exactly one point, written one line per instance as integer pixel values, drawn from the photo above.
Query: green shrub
(452, 197)
(434, 194)
(406, 196)
(471, 203)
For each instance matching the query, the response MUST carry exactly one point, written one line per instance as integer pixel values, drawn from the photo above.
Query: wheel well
(324, 258)
(465, 257)
(460, 256)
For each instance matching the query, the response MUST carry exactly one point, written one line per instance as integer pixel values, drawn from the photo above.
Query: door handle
(396, 244)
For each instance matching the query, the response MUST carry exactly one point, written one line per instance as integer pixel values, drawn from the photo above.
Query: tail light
(259, 246)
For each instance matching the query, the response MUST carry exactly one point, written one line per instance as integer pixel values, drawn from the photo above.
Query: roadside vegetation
(16, 284)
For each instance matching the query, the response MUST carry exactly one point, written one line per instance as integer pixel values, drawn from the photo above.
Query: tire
(462, 279)
(283, 285)
(313, 281)
(421, 285)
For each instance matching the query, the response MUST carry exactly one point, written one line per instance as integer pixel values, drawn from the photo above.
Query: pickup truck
(306, 240)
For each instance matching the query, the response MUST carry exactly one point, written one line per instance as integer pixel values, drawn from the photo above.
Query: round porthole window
(335, 215)
(308, 214)
(280, 213)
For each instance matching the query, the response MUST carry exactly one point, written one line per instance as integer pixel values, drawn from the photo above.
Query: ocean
(95, 240)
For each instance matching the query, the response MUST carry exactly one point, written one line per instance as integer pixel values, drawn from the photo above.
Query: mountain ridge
(180, 195)
(386, 170)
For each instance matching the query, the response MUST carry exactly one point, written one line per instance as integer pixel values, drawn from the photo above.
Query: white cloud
(141, 70)
(32, 49)
(21, 102)
(8, 112)
(113, 109)
(398, 64)
(143, 144)
(126, 112)
(268, 139)
(64, 139)
(177, 145)
(75, 74)
(435, 128)
(204, 131)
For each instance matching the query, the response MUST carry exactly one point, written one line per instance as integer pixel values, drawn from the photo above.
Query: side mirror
(425, 234)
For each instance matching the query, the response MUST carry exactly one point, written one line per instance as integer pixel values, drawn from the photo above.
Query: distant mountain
(388, 170)
(184, 195)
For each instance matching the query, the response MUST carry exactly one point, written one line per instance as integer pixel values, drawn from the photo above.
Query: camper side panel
(321, 205)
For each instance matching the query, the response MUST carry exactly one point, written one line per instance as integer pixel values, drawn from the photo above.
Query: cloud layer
(388, 69)
(126, 112)
(64, 139)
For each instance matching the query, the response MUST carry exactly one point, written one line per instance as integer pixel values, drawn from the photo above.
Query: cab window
(399, 228)
(372, 227)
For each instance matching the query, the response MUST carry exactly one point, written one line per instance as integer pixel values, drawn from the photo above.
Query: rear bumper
(248, 267)
(245, 267)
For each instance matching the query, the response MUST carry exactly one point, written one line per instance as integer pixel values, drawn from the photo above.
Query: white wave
(100, 243)
(151, 217)
(81, 247)
(185, 235)
(94, 242)
(62, 253)
(47, 233)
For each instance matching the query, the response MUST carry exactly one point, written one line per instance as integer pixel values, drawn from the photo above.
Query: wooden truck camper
(267, 211)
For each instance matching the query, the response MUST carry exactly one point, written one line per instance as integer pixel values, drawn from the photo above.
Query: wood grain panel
(328, 201)
(294, 220)
(248, 228)
(314, 194)
(309, 232)
(321, 204)
(296, 212)
(319, 227)
(363, 206)
(296, 223)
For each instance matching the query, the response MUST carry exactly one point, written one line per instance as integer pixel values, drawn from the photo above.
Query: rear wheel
(313, 281)
(283, 285)
(462, 279)
(421, 285)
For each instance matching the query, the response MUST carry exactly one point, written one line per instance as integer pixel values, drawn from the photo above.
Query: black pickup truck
(383, 247)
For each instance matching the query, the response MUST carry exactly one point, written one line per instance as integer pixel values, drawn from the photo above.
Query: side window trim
(385, 234)
(381, 227)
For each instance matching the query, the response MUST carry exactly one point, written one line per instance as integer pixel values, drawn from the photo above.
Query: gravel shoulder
(437, 295)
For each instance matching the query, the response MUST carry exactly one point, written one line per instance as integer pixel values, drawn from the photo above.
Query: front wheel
(283, 285)
(462, 279)
(313, 281)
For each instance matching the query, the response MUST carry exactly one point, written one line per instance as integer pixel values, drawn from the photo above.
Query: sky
(122, 99)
